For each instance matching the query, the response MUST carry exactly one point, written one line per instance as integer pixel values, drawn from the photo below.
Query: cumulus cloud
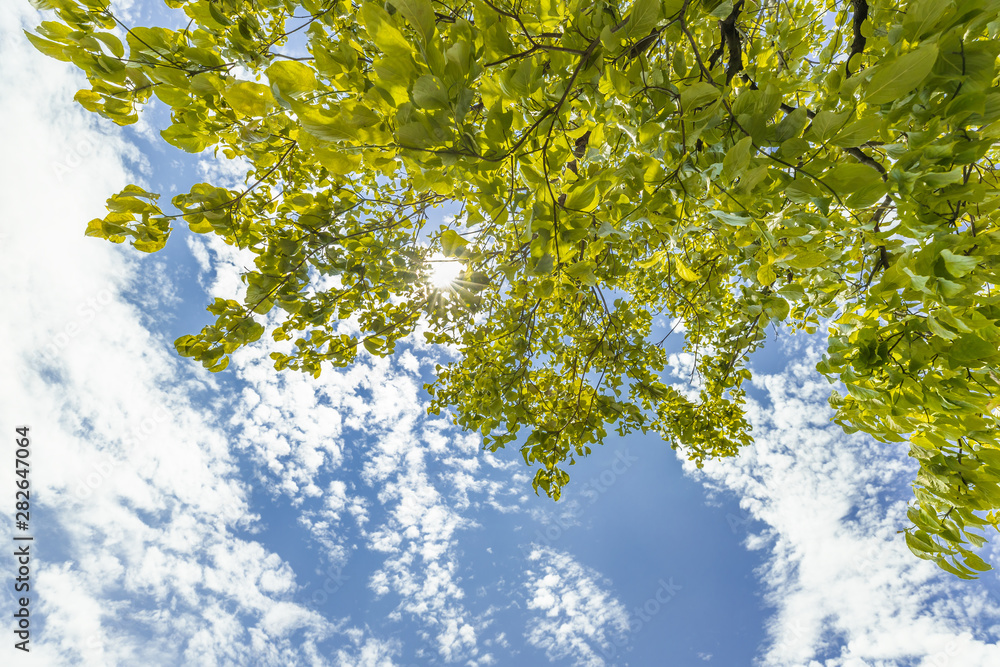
(577, 617)
(357, 439)
(844, 589)
(143, 514)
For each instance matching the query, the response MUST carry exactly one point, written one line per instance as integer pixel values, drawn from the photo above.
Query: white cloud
(223, 172)
(578, 618)
(142, 505)
(844, 588)
(311, 437)
(367, 652)
(376, 420)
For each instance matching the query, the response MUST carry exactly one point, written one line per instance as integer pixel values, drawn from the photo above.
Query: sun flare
(444, 271)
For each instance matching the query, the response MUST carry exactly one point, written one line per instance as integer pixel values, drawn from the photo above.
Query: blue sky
(258, 518)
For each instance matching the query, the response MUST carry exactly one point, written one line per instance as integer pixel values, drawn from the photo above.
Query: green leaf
(249, 99)
(807, 259)
(721, 10)
(776, 309)
(114, 44)
(863, 393)
(582, 271)
(791, 126)
(858, 132)
(698, 95)
(847, 178)
(543, 266)
(420, 14)
(734, 219)
(868, 195)
(582, 196)
(938, 330)
(958, 265)
(898, 77)
(384, 33)
(672, 7)
(290, 78)
(949, 567)
(737, 158)
(766, 274)
(792, 292)
(88, 99)
(826, 125)
(643, 18)
(429, 92)
(217, 14)
(922, 16)
(452, 243)
(684, 271)
(971, 347)
(918, 546)
(374, 345)
(184, 138)
(49, 48)
(977, 563)
(941, 179)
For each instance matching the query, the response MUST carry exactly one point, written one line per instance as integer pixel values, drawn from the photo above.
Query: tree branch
(870, 161)
(858, 45)
(731, 38)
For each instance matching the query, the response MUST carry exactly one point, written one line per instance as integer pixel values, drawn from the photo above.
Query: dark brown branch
(731, 38)
(810, 114)
(858, 45)
(883, 256)
(643, 44)
(716, 55)
(870, 161)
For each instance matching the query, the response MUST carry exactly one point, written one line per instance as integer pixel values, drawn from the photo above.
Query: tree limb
(731, 39)
(858, 45)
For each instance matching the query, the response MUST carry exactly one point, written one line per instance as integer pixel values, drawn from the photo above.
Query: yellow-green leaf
(249, 99)
(684, 271)
(898, 77)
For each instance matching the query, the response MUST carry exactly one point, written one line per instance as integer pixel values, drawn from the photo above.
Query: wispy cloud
(361, 439)
(577, 617)
(143, 515)
(843, 587)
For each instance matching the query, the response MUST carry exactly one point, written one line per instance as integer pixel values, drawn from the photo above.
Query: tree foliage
(728, 165)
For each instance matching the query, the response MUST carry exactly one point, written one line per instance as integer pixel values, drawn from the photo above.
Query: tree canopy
(726, 165)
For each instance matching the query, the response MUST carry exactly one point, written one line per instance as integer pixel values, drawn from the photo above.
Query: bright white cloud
(577, 618)
(371, 416)
(142, 507)
(314, 436)
(367, 652)
(844, 588)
